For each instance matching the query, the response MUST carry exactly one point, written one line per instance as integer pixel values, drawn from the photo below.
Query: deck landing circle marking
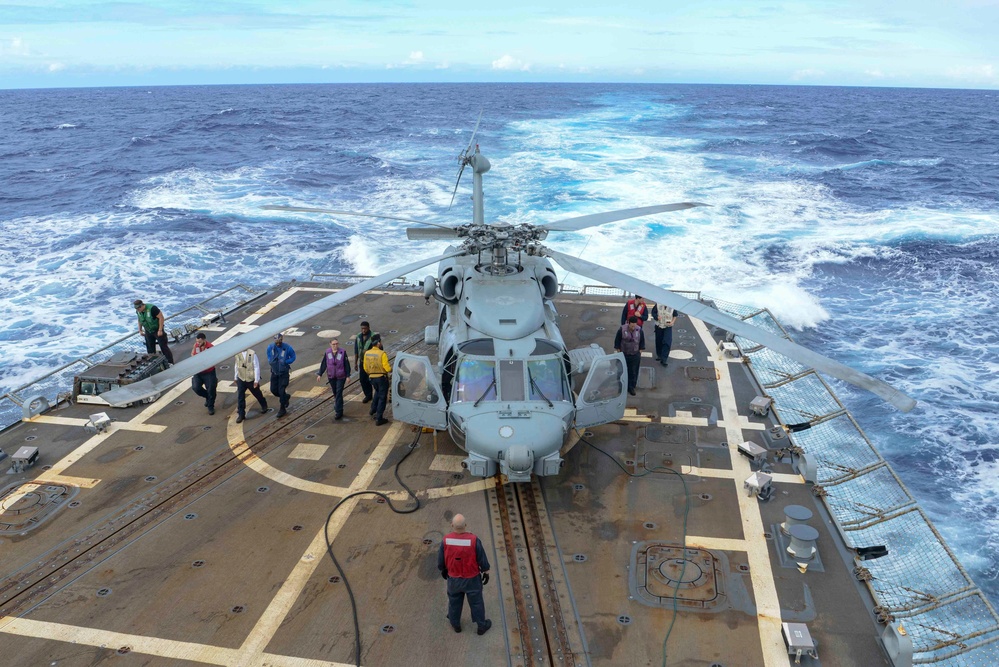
(680, 354)
(237, 444)
(329, 333)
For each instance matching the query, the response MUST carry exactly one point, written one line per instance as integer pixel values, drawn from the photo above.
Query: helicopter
(503, 384)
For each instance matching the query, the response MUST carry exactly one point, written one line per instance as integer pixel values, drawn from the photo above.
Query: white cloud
(15, 46)
(982, 74)
(415, 58)
(56, 67)
(875, 73)
(803, 74)
(508, 62)
(443, 65)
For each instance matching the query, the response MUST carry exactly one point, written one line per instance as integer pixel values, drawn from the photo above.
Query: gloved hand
(485, 578)
(444, 573)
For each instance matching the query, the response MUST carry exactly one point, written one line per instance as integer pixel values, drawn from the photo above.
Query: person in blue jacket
(281, 356)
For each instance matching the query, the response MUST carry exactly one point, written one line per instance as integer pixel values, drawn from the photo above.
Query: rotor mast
(480, 165)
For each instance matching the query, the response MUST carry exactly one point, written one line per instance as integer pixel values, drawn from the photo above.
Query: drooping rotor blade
(584, 221)
(307, 209)
(739, 327)
(226, 350)
(464, 159)
(424, 234)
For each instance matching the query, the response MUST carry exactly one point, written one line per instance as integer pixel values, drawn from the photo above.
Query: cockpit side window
(475, 380)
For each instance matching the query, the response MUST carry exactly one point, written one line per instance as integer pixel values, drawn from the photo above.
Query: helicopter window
(542, 347)
(482, 347)
(605, 381)
(512, 380)
(475, 380)
(412, 382)
(546, 380)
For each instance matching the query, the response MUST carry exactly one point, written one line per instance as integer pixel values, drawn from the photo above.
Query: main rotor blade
(711, 316)
(584, 221)
(226, 350)
(423, 234)
(307, 209)
(464, 159)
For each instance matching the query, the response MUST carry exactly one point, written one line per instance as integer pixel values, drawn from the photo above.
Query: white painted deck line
(761, 575)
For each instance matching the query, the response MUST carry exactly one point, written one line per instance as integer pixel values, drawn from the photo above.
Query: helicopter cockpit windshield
(475, 380)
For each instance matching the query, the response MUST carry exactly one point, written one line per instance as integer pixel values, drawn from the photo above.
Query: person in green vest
(362, 343)
(151, 327)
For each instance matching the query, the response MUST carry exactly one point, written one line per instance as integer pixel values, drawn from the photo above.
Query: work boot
(337, 417)
(239, 419)
(484, 628)
(632, 392)
(456, 628)
(211, 411)
(282, 412)
(381, 422)
(367, 399)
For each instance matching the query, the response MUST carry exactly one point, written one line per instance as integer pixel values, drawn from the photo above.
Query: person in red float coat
(636, 307)
(462, 561)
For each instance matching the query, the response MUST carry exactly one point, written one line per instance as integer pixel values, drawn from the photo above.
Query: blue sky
(923, 43)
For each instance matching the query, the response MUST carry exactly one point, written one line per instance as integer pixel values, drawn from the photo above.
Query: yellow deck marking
(764, 589)
(80, 482)
(269, 622)
(447, 463)
(166, 648)
(79, 421)
(309, 451)
(725, 473)
(718, 543)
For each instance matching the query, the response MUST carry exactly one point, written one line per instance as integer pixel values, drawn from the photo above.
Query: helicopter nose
(522, 442)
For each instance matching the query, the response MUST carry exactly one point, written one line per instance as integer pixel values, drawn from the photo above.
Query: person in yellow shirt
(376, 365)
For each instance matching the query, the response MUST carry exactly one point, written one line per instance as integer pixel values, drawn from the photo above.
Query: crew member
(362, 343)
(636, 307)
(462, 561)
(281, 356)
(376, 365)
(247, 376)
(205, 383)
(151, 328)
(336, 367)
(630, 340)
(665, 318)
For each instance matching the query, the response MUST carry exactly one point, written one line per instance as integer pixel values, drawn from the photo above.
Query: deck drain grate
(296, 528)
(588, 434)
(456, 475)
(30, 438)
(743, 568)
(178, 402)
(380, 500)
(341, 465)
(124, 650)
(316, 327)
(393, 331)
(198, 563)
(705, 496)
(600, 328)
(238, 609)
(629, 462)
(578, 487)
(768, 536)
(103, 592)
(579, 558)
(428, 542)
(650, 525)
(624, 619)
(263, 489)
(311, 436)
(206, 428)
(334, 579)
(75, 503)
(139, 448)
(388, 629)
(190, 517)
(151, 478)
(226, 367)
(695, 399)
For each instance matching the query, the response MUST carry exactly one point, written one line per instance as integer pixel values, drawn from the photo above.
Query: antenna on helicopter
(465, 158)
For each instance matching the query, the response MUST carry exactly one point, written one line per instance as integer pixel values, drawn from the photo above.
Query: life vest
(244, 366)
(373, 364)
(362, 344)
(195, 351)
(631, 340)
(639, 311)
(149, 323)
(665, 315)
(336, 364)
(459, 555)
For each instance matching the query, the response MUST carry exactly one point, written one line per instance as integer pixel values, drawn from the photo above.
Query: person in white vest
(665, 318)
(247, 379)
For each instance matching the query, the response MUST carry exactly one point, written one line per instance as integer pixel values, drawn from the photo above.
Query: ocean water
(865, 219)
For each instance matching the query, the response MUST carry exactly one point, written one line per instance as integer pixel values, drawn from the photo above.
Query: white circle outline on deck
(236, 439)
